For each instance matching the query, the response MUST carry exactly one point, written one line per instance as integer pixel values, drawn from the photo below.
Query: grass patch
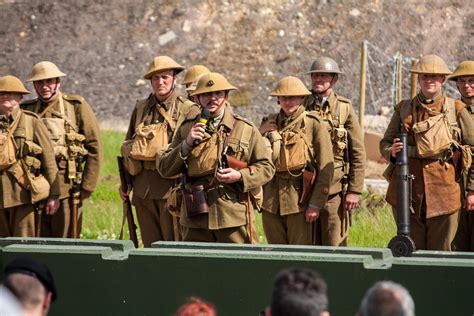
(373, 224)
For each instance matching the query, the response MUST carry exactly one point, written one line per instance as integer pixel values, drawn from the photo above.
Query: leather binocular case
(309, 177)
(195, 200)
(234, 163)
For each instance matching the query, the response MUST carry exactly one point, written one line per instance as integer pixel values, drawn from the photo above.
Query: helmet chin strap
(173, 86)
(333, 82)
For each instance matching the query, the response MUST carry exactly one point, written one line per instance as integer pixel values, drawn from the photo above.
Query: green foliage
(373, 224)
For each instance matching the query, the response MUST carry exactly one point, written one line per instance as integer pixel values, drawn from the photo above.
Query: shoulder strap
(28, 127)
(343, 112)
(451, 111)
(141, 105)
(296, 120)
(167, 117)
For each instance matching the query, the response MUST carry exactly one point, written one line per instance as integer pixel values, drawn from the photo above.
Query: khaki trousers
(288, 229)
(18, 221)
(332, 225)
(237, 235)
(59, 225)
(464, 240)
(156, 223)
(436, 233)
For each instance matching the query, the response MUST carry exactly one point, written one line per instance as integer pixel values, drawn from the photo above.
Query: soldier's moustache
(204, 118)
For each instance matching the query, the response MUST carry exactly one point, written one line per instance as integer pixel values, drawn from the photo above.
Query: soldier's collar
(468, 101)
(424, 100)
(53, 100)
(227, 117)
(168, 102)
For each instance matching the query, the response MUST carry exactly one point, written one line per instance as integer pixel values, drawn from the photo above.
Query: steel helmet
(466, 68)
(193, 85)
(162, 63)
(431, 64)
(12, 84)
(193, 72)
(45, 70)
(324, 65)
(211, 82)
(290, 86)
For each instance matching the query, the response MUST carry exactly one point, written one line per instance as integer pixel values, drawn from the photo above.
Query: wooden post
(363, 77)
(399, 78)
(413, 80)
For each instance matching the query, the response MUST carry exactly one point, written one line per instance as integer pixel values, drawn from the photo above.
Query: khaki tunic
(225, 210)
(464, 240)
(282, 193)
(87, 125)
(329, 113)
(149, 187)
(435, 191)
(15, 201)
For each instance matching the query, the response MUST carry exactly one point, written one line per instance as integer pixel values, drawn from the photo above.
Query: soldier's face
(46, 88)
(213, 101)
(162, 82)
(9, 102)
(430, 84)
(465, 86)
(323, 82)
(289, 104)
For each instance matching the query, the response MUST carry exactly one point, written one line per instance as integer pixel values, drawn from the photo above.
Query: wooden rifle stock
(309, 178)
(76, 195)
(127, 206)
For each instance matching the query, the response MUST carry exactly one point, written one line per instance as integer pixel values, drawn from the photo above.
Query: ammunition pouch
(148, 141)
(195, 199)
(20, 175)
(274, 139)
(339, 141)
(174, 199)
(31, 148)
(57, 133)
(32, 164)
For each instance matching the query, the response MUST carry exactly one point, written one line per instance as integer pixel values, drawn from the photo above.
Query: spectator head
(32, 284)
(298, 292)
(196, 307)
(387, 298)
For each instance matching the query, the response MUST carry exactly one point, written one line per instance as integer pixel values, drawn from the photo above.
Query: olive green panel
(113, 278)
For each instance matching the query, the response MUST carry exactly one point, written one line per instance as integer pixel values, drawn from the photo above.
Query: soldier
(75, 135)
(191, 78)
(435, 125)
(287, 219)
(225, 159)
(348, 149)
(464, 78)
(156, 115)
(27, 165)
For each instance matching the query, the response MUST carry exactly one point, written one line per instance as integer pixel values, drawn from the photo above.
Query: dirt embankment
(105, 46)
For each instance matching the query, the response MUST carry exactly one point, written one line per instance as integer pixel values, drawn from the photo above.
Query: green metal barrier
(113, 278)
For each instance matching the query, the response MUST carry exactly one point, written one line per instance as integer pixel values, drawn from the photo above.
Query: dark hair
(299, 292)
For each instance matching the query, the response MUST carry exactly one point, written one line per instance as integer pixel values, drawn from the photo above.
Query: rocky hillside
(105, 46)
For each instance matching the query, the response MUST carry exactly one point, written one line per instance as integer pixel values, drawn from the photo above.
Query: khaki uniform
(231, 216)
(436, 195)
(17, 216)
(149, 187)
(82, 117)
(464, 240)
(283, 218)
(348, 172)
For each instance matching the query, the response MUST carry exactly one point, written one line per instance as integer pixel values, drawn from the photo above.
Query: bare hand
(228, 175)
(196, 132)
(52, 206)
(351, 201)
(469, 201)
(397, 146)
(123, 195)
(312, 214)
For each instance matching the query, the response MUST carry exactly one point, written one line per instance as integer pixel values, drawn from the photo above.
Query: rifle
(76, 194)
(127, 206)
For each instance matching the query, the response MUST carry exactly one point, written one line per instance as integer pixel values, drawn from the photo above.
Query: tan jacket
(225, 210)
(11, 192)
(149, 184)
(87, 125)
(435, 180)
(329, 113)
(282, 192)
